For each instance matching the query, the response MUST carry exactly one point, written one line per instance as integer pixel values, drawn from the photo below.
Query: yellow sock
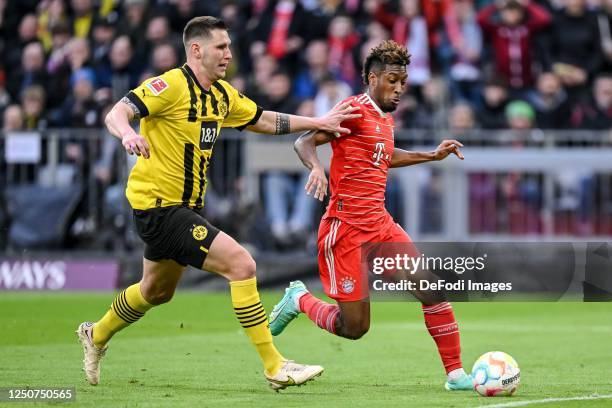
(252, 317)
(127, 308)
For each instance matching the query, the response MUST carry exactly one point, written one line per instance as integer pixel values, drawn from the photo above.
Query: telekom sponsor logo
(53, 274)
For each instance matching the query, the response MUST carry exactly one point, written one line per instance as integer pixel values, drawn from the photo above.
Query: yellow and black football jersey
(181, 122)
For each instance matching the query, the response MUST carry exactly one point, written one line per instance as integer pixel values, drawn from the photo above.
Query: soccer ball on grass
(496, 374)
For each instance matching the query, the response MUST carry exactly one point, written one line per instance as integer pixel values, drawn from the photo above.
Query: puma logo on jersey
(157, 86)
(377, 129)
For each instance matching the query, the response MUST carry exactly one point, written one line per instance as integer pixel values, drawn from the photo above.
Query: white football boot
(92, 354)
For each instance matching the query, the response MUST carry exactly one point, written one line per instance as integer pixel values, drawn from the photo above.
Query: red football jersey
(359, 165)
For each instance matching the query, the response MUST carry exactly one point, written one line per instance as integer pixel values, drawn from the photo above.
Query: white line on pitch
(546, 401)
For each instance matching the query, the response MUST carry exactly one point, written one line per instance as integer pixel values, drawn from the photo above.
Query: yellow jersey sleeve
(242, 111)
(157, 94)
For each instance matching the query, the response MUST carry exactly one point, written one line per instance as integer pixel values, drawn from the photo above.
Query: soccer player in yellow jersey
(181, 114)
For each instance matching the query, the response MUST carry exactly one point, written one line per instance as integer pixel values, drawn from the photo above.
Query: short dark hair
(201, 27)
(387, 52)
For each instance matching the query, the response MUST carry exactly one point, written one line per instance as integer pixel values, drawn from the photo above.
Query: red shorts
(343, 273)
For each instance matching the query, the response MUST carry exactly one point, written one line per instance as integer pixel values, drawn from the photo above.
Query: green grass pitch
(192, 352)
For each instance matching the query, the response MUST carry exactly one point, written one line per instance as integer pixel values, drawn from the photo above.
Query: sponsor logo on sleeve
(157, 86)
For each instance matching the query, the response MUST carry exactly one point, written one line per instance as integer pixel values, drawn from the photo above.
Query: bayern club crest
(347, 285)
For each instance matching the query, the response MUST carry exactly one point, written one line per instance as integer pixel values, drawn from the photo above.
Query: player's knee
(156, 295)
(242, 266)
(162, 297)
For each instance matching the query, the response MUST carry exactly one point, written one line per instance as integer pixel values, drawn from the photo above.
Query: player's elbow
(298, 144)
(108, 118)
(356, 333)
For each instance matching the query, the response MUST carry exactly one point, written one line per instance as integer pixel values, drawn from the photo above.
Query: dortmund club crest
(223, 108)
(199, 232)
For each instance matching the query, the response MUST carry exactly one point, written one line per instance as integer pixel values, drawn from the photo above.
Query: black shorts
(178, 233)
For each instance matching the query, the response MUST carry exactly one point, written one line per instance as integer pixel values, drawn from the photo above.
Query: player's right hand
(136, 144)
(317, 183)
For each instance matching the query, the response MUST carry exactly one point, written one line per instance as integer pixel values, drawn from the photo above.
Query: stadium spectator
(596, 111)
(460, 50)
(461, 121)
(33, 105)
(80, 109)
(278, 93)
(520, 115)
(306, 83)
(79, 54)
(342, 39)
(604, 20)
(323, 11)
(434, 13)
(51, 13)
(121, 73)
(426, 113)
(60, 37)
(289, 212)
(492, 105)
(164, 58)
(409, 28)
(330, 93)
(575, 52)
(83, 15)
(511, 37)
(376, 32)
(279, 187)
(281, 31)
(134, 24)
(31, 72)
(263, 67)
(12, 119)
(551, 103)
(16, 45)
(181, 11)
(103, 34)
(15, 173)
(521, 192)
(158, 32)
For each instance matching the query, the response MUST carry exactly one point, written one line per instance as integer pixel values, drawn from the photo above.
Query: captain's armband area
(132, 106)
(282, 124)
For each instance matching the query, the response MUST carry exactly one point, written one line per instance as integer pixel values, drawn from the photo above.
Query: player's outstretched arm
(403, 158)
(277, 123)
(118, 124)
(306, 148)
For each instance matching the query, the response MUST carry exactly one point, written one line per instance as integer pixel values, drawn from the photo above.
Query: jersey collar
(380, 112)
(192, 75)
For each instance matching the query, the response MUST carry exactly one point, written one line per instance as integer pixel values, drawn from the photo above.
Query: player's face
(388, 86)
(215, 54)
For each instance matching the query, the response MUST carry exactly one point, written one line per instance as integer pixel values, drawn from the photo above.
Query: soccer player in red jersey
(356, 215)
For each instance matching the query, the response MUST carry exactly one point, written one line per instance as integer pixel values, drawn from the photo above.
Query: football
(496, 374)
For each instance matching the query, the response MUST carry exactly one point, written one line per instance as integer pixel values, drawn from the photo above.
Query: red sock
(322, 313)
(443, 328)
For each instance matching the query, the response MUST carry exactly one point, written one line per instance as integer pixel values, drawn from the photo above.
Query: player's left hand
(447, 147)
(317, 183)
(339, 113)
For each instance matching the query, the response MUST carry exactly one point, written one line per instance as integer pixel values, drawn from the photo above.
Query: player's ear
(372, 79)
(196, 50)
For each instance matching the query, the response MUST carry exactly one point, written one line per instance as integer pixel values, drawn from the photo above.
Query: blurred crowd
(64, 61)
(475, 65)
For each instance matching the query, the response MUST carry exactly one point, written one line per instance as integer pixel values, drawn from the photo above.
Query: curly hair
(387, 52)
